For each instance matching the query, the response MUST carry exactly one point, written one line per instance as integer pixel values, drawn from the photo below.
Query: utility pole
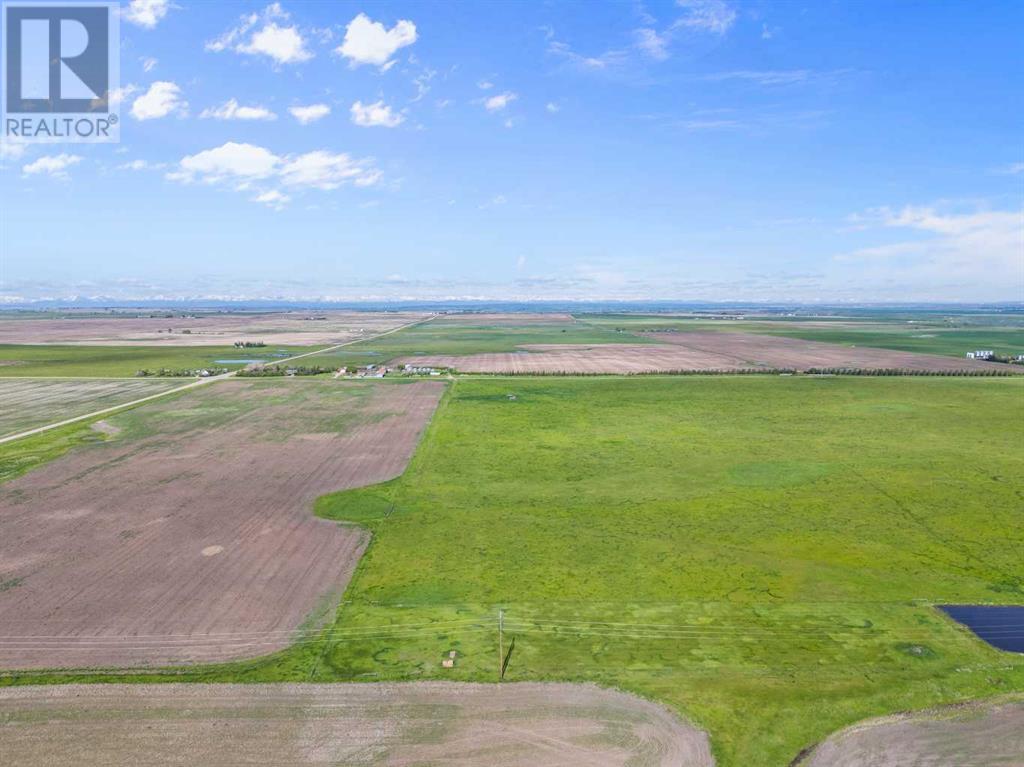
(501, 658)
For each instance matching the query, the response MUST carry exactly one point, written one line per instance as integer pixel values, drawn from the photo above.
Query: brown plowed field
(750, 349)
(27, 403)
(436, 723)
(212, 329)
(976, 735)
(577, 358)
(696, 352)
(190, 536)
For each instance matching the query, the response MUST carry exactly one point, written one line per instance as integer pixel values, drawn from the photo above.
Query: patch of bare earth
(435, 723)
(214, 329)
(698, 351)
(197, 542)
(27, 403)
(980, 735)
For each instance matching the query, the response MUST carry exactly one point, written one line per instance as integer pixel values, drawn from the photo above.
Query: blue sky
(699, 150)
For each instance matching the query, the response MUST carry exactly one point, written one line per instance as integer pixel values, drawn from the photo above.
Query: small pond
(1000, 626)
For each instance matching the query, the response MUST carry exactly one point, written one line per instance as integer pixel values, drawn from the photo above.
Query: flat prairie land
(986, 735)
(760, 553)
(514, 725)
(189, 535)
(697, 351)
(927, 332)
(25, 404)
(324, 328)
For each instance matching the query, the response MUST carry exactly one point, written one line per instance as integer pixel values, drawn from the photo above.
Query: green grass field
(121, 361)
(952, 336)
(760, 553)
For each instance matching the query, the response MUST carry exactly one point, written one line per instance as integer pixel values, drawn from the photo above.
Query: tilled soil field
(578, 358)
(27, 403)
(696, 352)
(190, 536)
(976, 735)
(752, 349)
(209, 329)
(435, 723)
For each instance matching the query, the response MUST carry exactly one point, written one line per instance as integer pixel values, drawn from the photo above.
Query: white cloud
(485, 85)
(494, 202)
(376, 114)
(273, 198)
(708, 15)
(500, 101)
(55, 166)
(146, 13)
(606, 62)
(230, 161)
(123, 93)
(422, 83)
(653, 44)
(368, 42)
(140, 165)
(230, 110)
(779, 77)
(979, 250)
(552, 107)
(148, 63)
(327, 170)
(12, 147)
(283, 44)
(310, 114)
(162, 98)
(1013, 169)
(246, 167)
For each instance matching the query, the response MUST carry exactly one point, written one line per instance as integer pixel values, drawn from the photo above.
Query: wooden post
(501, 656)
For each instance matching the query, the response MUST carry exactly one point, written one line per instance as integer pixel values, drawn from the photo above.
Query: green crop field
(949, 335)
(760, 553)
(121, 361)
(466, 334)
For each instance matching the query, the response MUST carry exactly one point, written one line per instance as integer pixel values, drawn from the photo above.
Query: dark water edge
(1000, 626)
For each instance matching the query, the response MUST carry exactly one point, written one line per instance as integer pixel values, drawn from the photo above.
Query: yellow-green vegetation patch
(760, 553)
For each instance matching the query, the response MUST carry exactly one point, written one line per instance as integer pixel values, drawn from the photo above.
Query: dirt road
(400, 725)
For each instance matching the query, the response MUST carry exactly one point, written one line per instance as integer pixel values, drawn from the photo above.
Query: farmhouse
(981, 354)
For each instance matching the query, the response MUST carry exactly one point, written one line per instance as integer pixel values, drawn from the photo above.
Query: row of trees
(278, 370)
(775, 371)
(179, 372)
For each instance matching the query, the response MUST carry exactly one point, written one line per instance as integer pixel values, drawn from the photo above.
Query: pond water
(1001, 627)
(238, 361)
